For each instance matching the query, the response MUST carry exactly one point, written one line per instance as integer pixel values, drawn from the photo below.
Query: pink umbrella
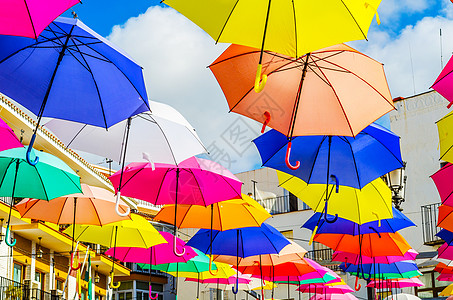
(351, 258)
(28, 18)
(159, 254)
(445, 251)
(334, 297)
(445, 277)
(396, 283)
(442, 179)
(242, 279)
(7, 136)
(325, 289)
(193, 181)
(444, 81)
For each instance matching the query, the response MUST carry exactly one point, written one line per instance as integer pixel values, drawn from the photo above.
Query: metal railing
(429, 224)
(282, 204)
(13, 290)
(323, 257)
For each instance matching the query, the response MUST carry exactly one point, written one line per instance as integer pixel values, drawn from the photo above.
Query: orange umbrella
(445, 219)
(332, 91)
(371, 244)
(225, 215)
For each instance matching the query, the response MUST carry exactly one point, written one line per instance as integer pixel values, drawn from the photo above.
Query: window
(432, 287)
(287, 234)
(18, 272)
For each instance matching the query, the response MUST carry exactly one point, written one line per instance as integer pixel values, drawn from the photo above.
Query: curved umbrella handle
(313, 235)
(72, 263)
(8, 238)
(28, 154)
(326, 218)
(374, 229)
(449, 104)
(150, 293)
(111, 284)
(357, 285)
(260, 81)
(288, 154)
(378, 20)
(237, 286)
(183, 249)
(210, 267)
(267, 116)
(117, 206)
(337, 183)
(377, 216)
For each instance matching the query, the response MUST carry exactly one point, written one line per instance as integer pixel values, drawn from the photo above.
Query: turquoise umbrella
(50, 179)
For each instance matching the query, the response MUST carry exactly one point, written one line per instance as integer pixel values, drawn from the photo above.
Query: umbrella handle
(72, 263)
(449, 104)
(288, 154)
(313, 235)
(111, 284)
(260, 81)
(267, 116)
(183, 249)
(326, 218)
(377, 216)
(8, 238)
(117, 206)
(237, 286)
(374, 229)
(210, 267)
(357, 285)
(337, 183)
(150, 293)
(378, 20)
(28, 154)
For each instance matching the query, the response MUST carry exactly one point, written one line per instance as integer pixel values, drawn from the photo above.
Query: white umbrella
(162, 136)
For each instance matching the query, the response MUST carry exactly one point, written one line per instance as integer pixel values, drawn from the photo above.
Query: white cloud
(175, 54)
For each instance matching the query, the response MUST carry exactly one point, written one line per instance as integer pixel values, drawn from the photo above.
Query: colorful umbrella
(356, 259)
(443, 82)
(51, 179)
(8, 138)
(332, 288)
(375, 270)
(224, 283)
(398, 222)
(334, 297)
(373, 202)
(445, 217)
(355, 161)
(442, 179)
(81, 76)
(395, 283)
(29, 18)
(444, 126)
(310, 95)
(372, 244)
(448, 291)
(225, 215)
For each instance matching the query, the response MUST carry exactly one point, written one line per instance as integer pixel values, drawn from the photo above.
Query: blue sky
(174, 53)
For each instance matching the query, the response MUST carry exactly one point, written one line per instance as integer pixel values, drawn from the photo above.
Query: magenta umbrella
(444, 82)
(325, 289)
(400, 283)
(347, 296)
(28, 18)
(352, 258)
(194, 181)
(445, 251)
(445, 277)
(7, 137)
(442, 179)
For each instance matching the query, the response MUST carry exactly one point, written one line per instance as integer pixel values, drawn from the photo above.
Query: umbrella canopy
(375, 270)
(8, 138)
(356, 259)
(327, 278)
(445, 217)
(445, 251)
(51, 179)
(164, 135)
(223, 271)
(334, 297)
(94, 206)
(242, 242)
(373, 202)
(193, 181)
(310, 95)
(443, 82)
(136, 232)
(225, 215)
(333, 288)
(224, 283)
(81, 76)
(355, 161)
(444, 126)
(396, 283)
(448, 291)
(280, 271)
(244, 23)
(442, 179)
(445, 277)
(29, 18)
(372, 244)
(197, 264)
(398, 222)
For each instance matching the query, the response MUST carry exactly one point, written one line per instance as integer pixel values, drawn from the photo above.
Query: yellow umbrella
(223, 271)
(137, 232)
(448, 291)
(225, 215)
(293, 28)
(372, 202)
(444, 126)
(268, 286)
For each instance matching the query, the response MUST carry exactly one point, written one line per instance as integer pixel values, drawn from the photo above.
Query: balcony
(283, 204)
(12, 290)
(324, 258)
(429, 224)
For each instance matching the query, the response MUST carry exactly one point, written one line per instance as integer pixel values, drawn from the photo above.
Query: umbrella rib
(61, 210)
(446, 151)
(352, 16)
(338, 99)
(76, 135)
(437, 81)
(161, 183)
(185, 215)
(199, 187)
(356, 168)
(315, 159)
(141, 96)
(226, 21)
(96, 86)
(168, 142)
(42, 182)
(358, 207)
(78, 60)
(382, 198)
(379, 141)
(96, 211)
(30, 19)
(6, 171)
(76, 185)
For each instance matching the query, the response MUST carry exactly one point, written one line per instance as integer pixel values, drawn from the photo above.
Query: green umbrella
(49, 179)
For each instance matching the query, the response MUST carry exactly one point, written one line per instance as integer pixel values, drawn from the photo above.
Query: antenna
(412, 67)
(441, 54)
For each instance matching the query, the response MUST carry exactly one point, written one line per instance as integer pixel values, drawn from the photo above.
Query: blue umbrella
(353, 161)
(241, 242)
(72, 73)
(376, 270)
(446, 235)
(343, 226)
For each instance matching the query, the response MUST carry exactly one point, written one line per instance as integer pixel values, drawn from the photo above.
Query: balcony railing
(323, 257)
(282, 204)
(429, 224)
(13, 290)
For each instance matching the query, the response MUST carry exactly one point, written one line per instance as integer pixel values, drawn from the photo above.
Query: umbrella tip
(74, 15)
